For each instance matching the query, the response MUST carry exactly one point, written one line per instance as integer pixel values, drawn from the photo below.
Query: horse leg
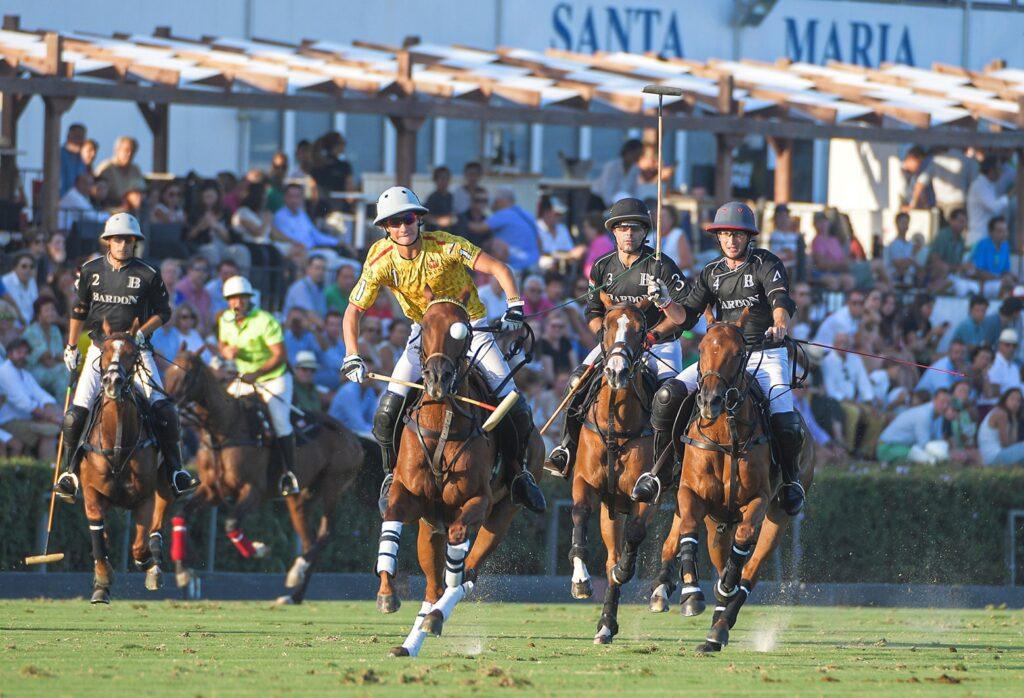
(147, 549)
(583, 496)
(635, 532)
(103, 573)
(430, 551)
(664, 584)
(608, 624)
(491, 533)
(179, 534)
(730, 592)
(402, 507)
(297, 513)
(246, 501)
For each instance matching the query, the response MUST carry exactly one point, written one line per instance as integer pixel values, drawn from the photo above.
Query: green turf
(218, 648)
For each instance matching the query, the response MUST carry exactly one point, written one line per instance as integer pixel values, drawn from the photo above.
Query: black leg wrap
(579, 542)
(144, 563)
(610, 609)
(688, 557)
(385, 427)
(732, 608)
(99, 540)
(726, 587)
(156, 546)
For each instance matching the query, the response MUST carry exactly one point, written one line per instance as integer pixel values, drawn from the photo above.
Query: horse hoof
(719, 633)
(388, 603)
(399, 652)
(659, 603)
(692, 605)
(709, 646)
(433, 623)
(101, 595)
(260, 550)
(183, 578)
(154, 578)
(297, 573)
(604, 636)
(285, 600)
(582, 590)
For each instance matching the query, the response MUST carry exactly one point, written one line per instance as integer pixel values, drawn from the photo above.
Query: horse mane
(218, 402)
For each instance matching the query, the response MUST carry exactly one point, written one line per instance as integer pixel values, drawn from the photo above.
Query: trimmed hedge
(920, 526)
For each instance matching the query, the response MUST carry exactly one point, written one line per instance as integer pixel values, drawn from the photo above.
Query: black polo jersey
(760, 283)
(119, 296)
(629, 285)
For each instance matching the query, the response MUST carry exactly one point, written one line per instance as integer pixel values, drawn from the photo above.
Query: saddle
(649, 385)
(259, 432)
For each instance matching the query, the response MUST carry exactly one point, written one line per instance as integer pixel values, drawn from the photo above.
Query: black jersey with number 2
(629, 284)
(760, 283)
(136, 291)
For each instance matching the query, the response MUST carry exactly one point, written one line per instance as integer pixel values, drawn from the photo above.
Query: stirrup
(385, 491)
(60, 489)
(640, 485)
(180, 488)
(288, 484)
(549, 462)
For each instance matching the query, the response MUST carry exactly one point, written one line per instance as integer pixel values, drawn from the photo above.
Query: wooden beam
(726, 105)
(405, 148)
(1019, 218)
(783, 148)
(54, 108)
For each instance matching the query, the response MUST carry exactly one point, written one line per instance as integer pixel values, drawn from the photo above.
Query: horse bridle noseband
(734, 394)
(633, 357)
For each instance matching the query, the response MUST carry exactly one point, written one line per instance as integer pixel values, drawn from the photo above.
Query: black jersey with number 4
(629, 285)
(136, 291)
(760, 283)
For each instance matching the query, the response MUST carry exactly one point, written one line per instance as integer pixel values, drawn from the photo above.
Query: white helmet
(237, 286)
(122, 224)
(397, 200)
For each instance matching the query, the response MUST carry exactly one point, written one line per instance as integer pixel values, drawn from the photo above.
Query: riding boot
(667, 403)
(559, 462)
(168, 437)
(288, 484)
(71, 432)
(789, 435)
(523, 487)
(385, 423)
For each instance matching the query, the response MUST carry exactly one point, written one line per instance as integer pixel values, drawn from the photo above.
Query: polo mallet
(52, 557)
(661, 91)
(566, 399)
(498, 411)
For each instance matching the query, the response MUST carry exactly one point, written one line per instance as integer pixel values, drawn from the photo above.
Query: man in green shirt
(253, 339)
(946, 254)
(336, 294)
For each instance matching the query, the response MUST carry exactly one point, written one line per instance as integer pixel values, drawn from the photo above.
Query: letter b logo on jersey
(748, 280)
(134, 282)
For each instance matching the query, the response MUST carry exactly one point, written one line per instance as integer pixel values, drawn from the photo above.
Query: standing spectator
(991, 255)
(973, 330)
(76, 205)
(192, 290)
(913, 430)
(337, 294)
(554, 238)
(515, 228)
(169, 208)
(71, 164)
(620, 177)
(46, 347)
(330, 172)
(29, 412)
(303, 160)
(984, 201)
(846, 380)
(332, 353)
(120, 171)
(307, 395)
(307, 293)
(918, 192)
(462, 197)
(899, 254)
(354, 405)
(831, 265)
(20, 287)
(844, 320)
(999, 434)
(1005, 371)
(955, 360)
(441, 202)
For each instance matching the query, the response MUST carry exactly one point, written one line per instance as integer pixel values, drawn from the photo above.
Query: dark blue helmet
(734, 215)
(628, 210)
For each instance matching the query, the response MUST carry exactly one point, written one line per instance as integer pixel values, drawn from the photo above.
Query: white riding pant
(276, 394)
(482, 346)
(146, 376)
(771, 369)
(665, 359)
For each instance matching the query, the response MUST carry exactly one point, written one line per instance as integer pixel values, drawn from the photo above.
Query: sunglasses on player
(404, 219)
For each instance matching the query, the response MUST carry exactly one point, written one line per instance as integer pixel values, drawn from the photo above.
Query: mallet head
(664, 90)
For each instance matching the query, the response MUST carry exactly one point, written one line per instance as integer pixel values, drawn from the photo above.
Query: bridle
(443, 356)
(633, 356)
(115, 371)
(738, 386)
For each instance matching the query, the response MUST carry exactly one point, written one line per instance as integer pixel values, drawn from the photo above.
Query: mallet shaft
(399, 381)
(565, 400)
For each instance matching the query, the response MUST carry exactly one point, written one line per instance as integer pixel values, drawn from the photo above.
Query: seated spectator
(76, 205)
(330, 172)
(298, 336)
(675, 241)
(945, 266)
(332, 352)
(534, 301)
(1005, 371)
(440, 202)
(20, 289)
(215, 287)
(336, 295)
(598, 240)
(845, 380)
(370, 334)
(999, 433)
(120, 171)
(9, 328)
(180, 332)
(900, 265)
(831, 263)
(303, 160)
(474, 218)
(169, 208)
(553, 236)
(133, 202)
(170, 273)
(961, 425)
(834, 452)
(29, 413)
(99, 192)
(983, 390)
(307, 395)
(209, 234)
(973, 330)
(307, 294)
(293, 225)
(192, 290)
(274, 182)
(920, 336)
(985, 201)
(46, 347)
(462, 197)
(554, 348)
(393, 345)
(845, 320)
(913, 430)
(939, 376)
(354, 405)
(991, 256)
(1007, 317)
(514, 227)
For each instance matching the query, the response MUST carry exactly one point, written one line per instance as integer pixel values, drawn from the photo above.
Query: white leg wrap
(451, 597)
(387, 551)
(414, 640)
(579, 571)
(692, 589)
(455, 564)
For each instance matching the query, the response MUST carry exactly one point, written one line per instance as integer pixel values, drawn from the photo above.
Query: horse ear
(709, 316)
(744, 316)
(606, 300)
(428, 293)
(106, 327)
(135, 326)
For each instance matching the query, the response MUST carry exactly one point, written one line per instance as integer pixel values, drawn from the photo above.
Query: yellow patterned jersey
(443, 264)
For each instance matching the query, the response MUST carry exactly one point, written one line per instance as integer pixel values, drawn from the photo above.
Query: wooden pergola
(946, 106)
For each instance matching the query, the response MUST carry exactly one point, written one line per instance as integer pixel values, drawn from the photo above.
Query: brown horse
(119, 466)
(233, 463)
(445, 477)
(727, 483)
(614, 449)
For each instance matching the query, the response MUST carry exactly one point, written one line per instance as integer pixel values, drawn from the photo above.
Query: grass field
(217, 648)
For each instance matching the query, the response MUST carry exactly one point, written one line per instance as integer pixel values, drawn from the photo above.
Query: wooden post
(724, 143)
(783, 148)
(157, 118)
(405, 127)
(11, 107)
(54, 108)
(1019, 215)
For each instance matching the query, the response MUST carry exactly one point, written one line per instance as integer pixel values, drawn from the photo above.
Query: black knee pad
(74, 418)
(667, 402)
(788, 428)
(386, 418)
(167, 414)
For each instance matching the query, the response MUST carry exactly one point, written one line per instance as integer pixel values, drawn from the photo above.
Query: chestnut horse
(445, 477)
(119, 466)
(233, 464)
(615, 447)
(727, 483)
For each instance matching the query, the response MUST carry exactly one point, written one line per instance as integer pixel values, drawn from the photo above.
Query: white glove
(141, 340)
(71, 357)
(658, 293)
(512, 320)
(354, 368)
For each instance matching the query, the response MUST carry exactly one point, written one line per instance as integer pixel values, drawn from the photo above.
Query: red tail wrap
(241, 542)
(179, 539)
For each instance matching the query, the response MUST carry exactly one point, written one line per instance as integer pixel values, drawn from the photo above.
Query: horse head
(625, 328)
(119, 356)
(723, 359)
(181, 381)
(444, 341)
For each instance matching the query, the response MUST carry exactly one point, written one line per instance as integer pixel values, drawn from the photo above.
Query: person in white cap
(119, 288)
(406, 261)
(254, 340)
(1005, 371)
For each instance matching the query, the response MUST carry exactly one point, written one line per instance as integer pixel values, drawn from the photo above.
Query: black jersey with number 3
(136, 291)
(629, 285)
(760, 283)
